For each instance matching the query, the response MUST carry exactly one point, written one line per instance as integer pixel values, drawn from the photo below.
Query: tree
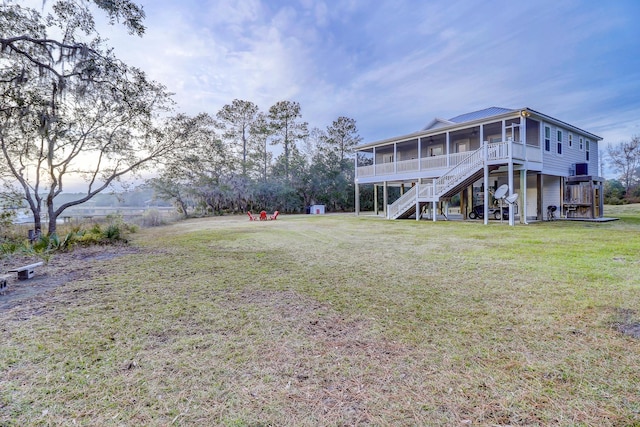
(236, 120)
(183, 172)
(625, 159)
(342, 137)
(260, 132)
(286, 129)
(69, 108)
(613, 192)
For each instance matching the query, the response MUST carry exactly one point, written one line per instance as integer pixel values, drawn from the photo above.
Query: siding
(561, 164)
(550, 193)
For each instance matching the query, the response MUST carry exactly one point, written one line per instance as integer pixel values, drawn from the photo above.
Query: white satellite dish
(501, 191)
(512, 198)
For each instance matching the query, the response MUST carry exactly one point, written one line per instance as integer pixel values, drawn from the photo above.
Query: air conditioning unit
(582, 169)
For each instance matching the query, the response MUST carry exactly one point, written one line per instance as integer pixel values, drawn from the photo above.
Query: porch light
(525, 113)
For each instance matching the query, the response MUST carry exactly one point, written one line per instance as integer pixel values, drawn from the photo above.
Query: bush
(152, 218)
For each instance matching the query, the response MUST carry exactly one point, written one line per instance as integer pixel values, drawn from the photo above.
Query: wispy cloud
(394, 65)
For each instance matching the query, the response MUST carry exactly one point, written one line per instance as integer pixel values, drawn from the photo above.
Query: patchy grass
(337, 320)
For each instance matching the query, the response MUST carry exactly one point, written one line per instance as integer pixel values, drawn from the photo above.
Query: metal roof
(481, 114)
(458, 122)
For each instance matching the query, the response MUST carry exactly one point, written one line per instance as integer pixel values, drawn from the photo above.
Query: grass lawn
(337, 320)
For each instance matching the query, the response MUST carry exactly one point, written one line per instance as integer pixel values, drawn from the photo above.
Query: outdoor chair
(263, 215)
(251, 217)
(274, 216)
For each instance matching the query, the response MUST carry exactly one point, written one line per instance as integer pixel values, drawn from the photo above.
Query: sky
(394, 65)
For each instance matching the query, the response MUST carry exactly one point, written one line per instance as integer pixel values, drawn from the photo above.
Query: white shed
(316, 210)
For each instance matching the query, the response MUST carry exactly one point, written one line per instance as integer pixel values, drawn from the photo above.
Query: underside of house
(511, 164)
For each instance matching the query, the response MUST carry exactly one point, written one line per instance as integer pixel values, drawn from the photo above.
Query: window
(587, 153)
(547, 138)
(435, 150)
(580, 146)
(462, 146)
(559, 140)
(570, 140)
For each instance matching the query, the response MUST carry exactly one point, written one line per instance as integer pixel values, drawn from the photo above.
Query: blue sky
(395, 65)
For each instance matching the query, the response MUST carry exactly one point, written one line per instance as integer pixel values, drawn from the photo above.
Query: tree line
(70, 109)
(228, 166)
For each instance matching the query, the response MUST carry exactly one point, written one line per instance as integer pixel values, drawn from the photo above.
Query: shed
(317, 210)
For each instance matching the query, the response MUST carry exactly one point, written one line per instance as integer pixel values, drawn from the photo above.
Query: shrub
(152, 218)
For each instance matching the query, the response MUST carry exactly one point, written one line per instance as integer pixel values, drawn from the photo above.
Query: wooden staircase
(462, 175)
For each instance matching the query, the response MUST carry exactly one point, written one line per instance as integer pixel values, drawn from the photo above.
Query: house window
(570, 140)
(559, 140)
(547, 138)
(587, 151)
(462, 146)
(435, 150)
(580, 145)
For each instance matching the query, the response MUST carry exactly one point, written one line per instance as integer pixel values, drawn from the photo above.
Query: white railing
(366, 170)
(496, 151)
(434, 162)
(385, 169)
(426, 191)
(460, 172)
(401, 205)
(468, 164)
(407, 166)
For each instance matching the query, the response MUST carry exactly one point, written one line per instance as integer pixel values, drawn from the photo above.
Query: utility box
(316, 210)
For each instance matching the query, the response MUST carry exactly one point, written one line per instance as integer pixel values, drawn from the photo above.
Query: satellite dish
(501, 191)
(512, 198)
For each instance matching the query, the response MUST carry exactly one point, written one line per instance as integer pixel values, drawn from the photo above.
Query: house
(545, 161)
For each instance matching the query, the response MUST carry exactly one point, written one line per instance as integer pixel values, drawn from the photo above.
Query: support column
(417, 202)
(486, 182)
(375, 198)
(563, 214)
(357, 196)
(385, 199)
(523, 197)
(540, 195)
(435, 211)
(510, 168)
(463, 203)
(447, 140)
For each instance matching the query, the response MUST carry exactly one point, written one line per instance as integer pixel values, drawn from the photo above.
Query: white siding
(562, 164)
(550, 193)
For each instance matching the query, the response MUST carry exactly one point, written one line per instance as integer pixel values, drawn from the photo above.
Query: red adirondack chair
(263, 215)
(275, 215)
(251, 217)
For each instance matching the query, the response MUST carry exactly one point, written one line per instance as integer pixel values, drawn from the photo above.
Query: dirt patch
(628, 323)
(61, 269)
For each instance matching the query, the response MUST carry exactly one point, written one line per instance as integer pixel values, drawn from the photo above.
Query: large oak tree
(69, 109)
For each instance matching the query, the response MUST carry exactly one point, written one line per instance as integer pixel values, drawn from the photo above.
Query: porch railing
(402, 203)
(496, 151)
(464, 169)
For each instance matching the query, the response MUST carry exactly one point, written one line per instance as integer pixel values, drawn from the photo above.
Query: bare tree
(625, 159)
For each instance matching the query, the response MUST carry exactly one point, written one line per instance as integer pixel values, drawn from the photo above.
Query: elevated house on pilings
(547, 162)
